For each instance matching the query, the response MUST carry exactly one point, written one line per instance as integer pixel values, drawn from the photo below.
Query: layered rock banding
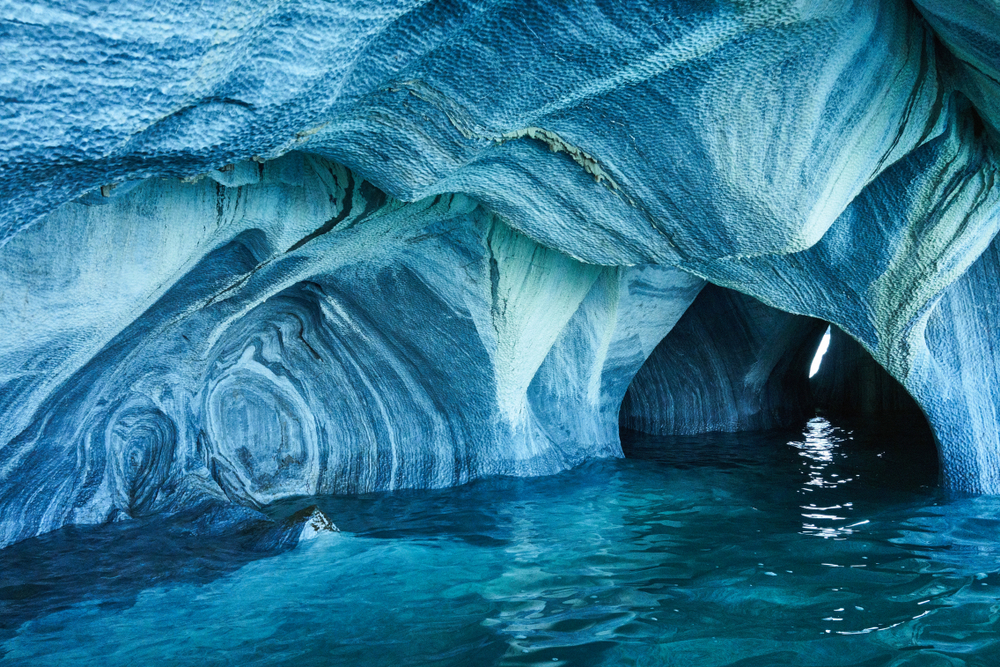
(253, 254)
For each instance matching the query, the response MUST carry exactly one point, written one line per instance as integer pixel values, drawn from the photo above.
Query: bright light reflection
(820, 351)
(820, 451)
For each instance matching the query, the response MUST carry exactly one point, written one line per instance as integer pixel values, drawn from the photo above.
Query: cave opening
(817, 361)
(736, 380)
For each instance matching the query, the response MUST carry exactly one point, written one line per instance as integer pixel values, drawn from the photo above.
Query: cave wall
(317, 336)
(888, 268)
(956, 377)
(250, 252)
(600, 129)
(730, 364)
(968, 30)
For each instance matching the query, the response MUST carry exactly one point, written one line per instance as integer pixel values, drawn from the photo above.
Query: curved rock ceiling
(253, 251)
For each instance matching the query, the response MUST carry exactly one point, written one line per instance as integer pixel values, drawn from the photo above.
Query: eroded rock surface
(318, 337)
(256, 252)
(894, 263)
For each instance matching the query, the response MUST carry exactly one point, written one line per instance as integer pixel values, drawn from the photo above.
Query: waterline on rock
(821, 547)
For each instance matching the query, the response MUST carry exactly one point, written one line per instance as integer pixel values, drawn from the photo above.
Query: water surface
(827, 546)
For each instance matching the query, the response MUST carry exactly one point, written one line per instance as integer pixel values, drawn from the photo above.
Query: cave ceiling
(252, 251)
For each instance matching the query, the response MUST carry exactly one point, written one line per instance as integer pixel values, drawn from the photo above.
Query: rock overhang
(419, 243)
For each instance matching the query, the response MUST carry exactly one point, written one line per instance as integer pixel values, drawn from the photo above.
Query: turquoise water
(827, 546)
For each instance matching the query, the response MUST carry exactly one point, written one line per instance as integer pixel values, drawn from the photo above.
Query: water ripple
(696, 551)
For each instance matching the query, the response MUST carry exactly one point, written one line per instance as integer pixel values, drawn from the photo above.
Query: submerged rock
(314, 523)
(307, 524)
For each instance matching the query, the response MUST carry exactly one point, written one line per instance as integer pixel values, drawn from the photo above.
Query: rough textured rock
(956, 377)
(969, 30)
(250, 252)
(885, 270)
(600, 129)
(730, 364)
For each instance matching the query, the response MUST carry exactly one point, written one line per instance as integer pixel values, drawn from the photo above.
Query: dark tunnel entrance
(735, 375)
(848, 382)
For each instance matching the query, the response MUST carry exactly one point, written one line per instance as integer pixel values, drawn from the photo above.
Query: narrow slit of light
(820, 351)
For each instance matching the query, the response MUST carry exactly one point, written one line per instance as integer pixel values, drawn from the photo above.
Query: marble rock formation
(305, 334)
(251, 252)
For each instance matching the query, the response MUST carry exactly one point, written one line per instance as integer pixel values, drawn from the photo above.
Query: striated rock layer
(250, 253)
(317, 336)
(906, 271)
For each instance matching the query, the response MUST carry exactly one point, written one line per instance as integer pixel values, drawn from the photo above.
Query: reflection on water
(820, 448)
(827, 546)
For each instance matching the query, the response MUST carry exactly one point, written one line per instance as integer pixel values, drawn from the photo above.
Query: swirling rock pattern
(251, 252)
(923, 224)
(334, 340)
(140, 442)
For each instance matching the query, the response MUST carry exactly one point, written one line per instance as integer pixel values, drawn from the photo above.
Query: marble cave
(283, 280)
